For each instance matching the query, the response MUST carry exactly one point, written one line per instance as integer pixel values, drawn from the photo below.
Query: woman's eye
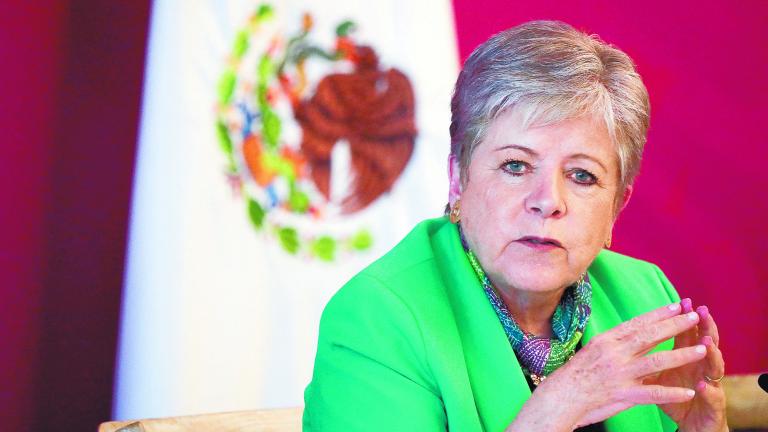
(583, 177)
(515, 167)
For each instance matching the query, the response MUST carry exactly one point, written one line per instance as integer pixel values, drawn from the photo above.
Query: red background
(700, 204)
(71, 81)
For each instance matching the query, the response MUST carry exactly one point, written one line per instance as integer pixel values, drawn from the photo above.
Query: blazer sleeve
(371, 370)
(666, 284)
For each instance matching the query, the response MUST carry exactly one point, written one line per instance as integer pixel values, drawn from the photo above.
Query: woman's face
(538, 204)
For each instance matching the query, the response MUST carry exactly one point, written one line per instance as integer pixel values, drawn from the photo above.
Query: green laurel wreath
(268, 125)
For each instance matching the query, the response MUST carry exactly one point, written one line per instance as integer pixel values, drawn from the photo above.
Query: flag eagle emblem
(286, 106)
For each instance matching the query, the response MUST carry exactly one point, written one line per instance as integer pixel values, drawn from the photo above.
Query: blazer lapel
(605, 317)
(497, 382)
(496, 379)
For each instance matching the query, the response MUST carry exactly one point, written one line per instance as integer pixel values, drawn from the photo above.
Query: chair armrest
(747, 408)
(272, 420)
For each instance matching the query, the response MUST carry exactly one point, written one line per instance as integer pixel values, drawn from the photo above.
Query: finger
(657, 394)
(707, 324)
(642, 338)
(646, 319)
(664, 360)
(714, 398)
(689, 337)
(659, 314)
(687, 305)
(714, 363)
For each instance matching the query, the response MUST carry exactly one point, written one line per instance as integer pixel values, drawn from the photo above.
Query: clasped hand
(613, 372)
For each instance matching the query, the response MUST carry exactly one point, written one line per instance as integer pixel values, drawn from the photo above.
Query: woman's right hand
(606, 376)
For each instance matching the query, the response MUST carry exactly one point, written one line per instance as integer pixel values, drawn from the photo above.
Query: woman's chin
(520, 269)
(544, 285)
(538, 278)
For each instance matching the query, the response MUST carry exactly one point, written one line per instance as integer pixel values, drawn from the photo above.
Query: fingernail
(703, 311)
(686, 304)
(674, 307)
(693, 316)
(690, 393)
(701, 349)
(707, 340)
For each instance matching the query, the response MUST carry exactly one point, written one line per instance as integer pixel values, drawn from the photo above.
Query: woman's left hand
(706, 411)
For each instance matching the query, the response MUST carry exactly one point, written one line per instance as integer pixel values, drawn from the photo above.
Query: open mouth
(540, 241)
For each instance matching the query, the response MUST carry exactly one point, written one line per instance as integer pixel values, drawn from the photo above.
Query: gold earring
(608, 242)
(456, 212)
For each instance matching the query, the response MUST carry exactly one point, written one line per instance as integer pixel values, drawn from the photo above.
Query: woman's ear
(625, 198)
(454, 180)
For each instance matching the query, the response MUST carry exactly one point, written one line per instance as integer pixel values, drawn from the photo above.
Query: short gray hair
(551, 72)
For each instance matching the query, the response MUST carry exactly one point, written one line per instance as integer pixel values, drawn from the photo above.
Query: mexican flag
(283, 147)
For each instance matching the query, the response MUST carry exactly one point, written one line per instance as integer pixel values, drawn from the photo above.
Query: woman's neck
(532, 310)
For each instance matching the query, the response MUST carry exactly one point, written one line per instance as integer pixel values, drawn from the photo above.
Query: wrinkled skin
(537, 206)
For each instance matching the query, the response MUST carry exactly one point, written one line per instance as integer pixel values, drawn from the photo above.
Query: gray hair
(551, 72)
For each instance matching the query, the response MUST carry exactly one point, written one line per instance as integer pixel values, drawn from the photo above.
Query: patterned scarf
(541, 356)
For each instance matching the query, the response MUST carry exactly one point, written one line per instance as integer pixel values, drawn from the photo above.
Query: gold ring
(715, 380)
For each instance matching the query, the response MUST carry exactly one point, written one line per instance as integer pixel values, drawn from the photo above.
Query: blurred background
(172, 224)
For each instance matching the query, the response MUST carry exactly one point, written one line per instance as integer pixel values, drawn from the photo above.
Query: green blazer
(411, 343)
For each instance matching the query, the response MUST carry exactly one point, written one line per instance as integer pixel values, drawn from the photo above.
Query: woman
(512, 315)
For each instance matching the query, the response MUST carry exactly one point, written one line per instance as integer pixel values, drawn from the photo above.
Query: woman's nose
(546, 198)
